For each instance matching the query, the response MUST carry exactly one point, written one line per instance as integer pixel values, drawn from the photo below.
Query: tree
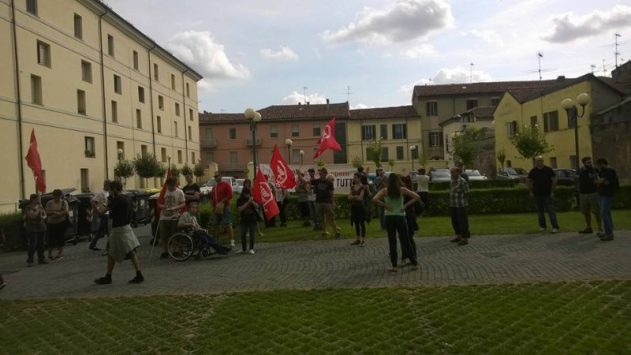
(198, 171)
(174, 171)
(186, 170)
(530, 142)
(320, 163)
(468, 145)
(146, 166)
(501, 157)
(357, 162)
(391, 163)
(123, 170)
(374, 152)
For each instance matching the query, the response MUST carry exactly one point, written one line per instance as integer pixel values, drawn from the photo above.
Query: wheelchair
(186, 243)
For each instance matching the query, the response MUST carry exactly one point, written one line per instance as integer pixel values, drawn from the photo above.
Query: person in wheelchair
(188, 222)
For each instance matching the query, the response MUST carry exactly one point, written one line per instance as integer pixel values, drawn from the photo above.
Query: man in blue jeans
(608, 184)
(541, 183)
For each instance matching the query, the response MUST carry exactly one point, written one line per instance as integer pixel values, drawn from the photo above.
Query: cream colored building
(91, 85)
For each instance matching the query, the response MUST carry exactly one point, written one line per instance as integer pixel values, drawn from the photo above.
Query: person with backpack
(357, 198)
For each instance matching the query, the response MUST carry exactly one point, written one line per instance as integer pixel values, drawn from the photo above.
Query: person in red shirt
(221, 198)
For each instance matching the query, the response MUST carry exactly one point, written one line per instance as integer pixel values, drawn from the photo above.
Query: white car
(237, 187)
(474, 175)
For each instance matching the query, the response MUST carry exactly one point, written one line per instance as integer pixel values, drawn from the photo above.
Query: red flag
(283, 176)
(262, 194)
(34, 162)
(327, 141)
(163, 190)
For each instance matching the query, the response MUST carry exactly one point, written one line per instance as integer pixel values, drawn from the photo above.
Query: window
(383, 131)
(43, 53)
(159, 124)
(399, 153)
(120, 150)
(495, 101)
(511, 128)
(141, 94)
(175, 132)
(118, 86)
(435, 139)
(135, 59)
(234, 158)
(471, 103)
(368, 132)
(509, 163)
(533, 121)
(431, 108)
(172, 81)
(81, 102)
(553, 162)
(384, 154)
(78, 26)
(190, 114)
(571, 121)
(316, 132)
(208, 133)
(110, 45)
(232, 133)
(295, 156)
(177, 109)
(163, 153)
(188, 91)
(209, 156)
(179, 156)
(190, 133)
(86, 71)
(399, 131)
(193, 157)
(89, 147)
(143, 150)
(31, 7)
(36, 90)
(156, 75)
(85, 180)
(551, 121)
(114, 111)
(273, 131)
(161, 102)
(295, 130)
(138, 119)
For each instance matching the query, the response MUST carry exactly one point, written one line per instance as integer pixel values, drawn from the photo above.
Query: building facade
(94, 89)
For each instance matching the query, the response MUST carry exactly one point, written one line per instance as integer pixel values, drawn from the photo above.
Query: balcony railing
(209, 143)
(248, 142)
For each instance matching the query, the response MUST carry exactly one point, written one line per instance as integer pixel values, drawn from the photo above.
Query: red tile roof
(384, 112)
(283, 112)
(492, 87)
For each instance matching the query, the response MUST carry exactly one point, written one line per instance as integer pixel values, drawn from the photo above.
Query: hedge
(477, 184)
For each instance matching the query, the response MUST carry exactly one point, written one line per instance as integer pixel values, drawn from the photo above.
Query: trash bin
(142, 209)
(84, 226)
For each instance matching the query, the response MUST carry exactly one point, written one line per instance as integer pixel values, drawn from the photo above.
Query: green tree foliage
(374, 152)
(186, 170)
(198, 171)
(469, 144)
(147, 166)
(357, 162)
(501, 157)
(174, 170)
(530, 142)
(123, 170)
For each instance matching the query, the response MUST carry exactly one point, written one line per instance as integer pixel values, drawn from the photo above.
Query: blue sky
(261, 53)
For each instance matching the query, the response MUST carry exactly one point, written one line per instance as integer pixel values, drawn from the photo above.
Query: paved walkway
(328, 264)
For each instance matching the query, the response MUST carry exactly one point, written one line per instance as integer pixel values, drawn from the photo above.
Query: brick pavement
(328, 264)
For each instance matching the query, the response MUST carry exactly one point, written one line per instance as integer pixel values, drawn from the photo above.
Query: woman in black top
(358, 209)
(248, 218)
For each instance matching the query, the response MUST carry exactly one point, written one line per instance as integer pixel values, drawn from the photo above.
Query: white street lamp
(571, 110)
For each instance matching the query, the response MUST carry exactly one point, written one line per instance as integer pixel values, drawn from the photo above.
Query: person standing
(460, 165)
(588, 195)
(303, 189)
(248, 217)
(57, 223)
(458, 202)
(380, 184)
(280, 194)
(357, 199)
(325, 203)
(221, 200)
(541, 183)
(608, 184)
(35, 228)
(411, 213)
(247, 184)
(312, 197)
(391, 200)
(174, 202)
(192, 192)
(101, 214)
(422, 187)
(123, 241)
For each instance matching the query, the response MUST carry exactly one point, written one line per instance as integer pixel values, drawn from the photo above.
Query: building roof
(384, 112)
(283, 113)
(524, 94)
(612, 107)
(491, 87)
(481, 112)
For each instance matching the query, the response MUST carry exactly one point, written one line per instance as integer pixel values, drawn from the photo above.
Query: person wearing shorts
(174, 202)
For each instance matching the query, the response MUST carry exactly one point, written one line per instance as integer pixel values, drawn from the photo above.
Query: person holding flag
(248, 218)
(284, 179)
(263, 195)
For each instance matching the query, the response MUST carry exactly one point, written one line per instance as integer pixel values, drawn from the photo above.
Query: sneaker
(59, 258)
(138, 279)
(261, 234)
(463, 241)
(244, 251)
(232, 243)
(356, 242)
(105, 253)
(325, 235)
(3, 285)
(600, 234)
(455, 240)
(542, 229)
(555, 230)
(93, 247)
(338, 235)
(105, 280)
(607, 237)
(586, 231)
(251, 251)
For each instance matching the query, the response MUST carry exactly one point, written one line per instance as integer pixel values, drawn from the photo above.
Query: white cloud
(420, 51)
(283, 54)
(488, 36)
(460, 75)
(569, 27)
(205, 55)
(295, 97)
(360, 106)
(405, 20)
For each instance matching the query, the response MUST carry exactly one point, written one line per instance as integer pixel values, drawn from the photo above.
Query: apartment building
(94, 89)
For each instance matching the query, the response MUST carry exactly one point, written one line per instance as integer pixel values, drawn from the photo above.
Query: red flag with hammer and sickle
(263, 195)
(283, 176)
(327, 140)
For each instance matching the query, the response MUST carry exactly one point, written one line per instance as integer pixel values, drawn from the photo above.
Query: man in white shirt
(101, 214)
(174, 201)
(422, 187)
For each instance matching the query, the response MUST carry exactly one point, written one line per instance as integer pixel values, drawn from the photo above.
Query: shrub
(485, 184)
(12, 231)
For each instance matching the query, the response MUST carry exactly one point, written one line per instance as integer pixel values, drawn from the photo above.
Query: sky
(372, 52)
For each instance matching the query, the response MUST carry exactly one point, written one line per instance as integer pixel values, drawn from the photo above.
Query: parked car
(207, 188)
(474, 175)
(237, 187)
(565, 176)
(517, 174)
(439, 175)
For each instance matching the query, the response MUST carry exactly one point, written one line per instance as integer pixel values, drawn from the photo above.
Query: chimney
(300, 104)
(307, 103)
(560, 77)
(327, 101)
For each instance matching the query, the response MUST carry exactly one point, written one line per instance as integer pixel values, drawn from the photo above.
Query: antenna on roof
(539, 56)
(616, 53)
(604, 68)
(593, 68)
(304, 93)
(348, 93)
(470, 72)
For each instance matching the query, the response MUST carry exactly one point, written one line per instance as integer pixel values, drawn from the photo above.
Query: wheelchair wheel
(180, 246)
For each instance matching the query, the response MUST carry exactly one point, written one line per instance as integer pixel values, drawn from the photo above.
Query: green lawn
(521, 223)
(578, 317)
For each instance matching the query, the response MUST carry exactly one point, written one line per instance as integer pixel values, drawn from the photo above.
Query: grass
(577, 317)
(520, 223)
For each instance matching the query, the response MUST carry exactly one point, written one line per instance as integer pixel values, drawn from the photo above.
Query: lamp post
(412, 148)
(253, 117)
(289, 143)
(572, 113)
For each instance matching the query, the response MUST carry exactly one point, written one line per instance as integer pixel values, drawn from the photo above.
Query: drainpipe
(186, 137)
(153, 131)
(18, 99)
(107, 168)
